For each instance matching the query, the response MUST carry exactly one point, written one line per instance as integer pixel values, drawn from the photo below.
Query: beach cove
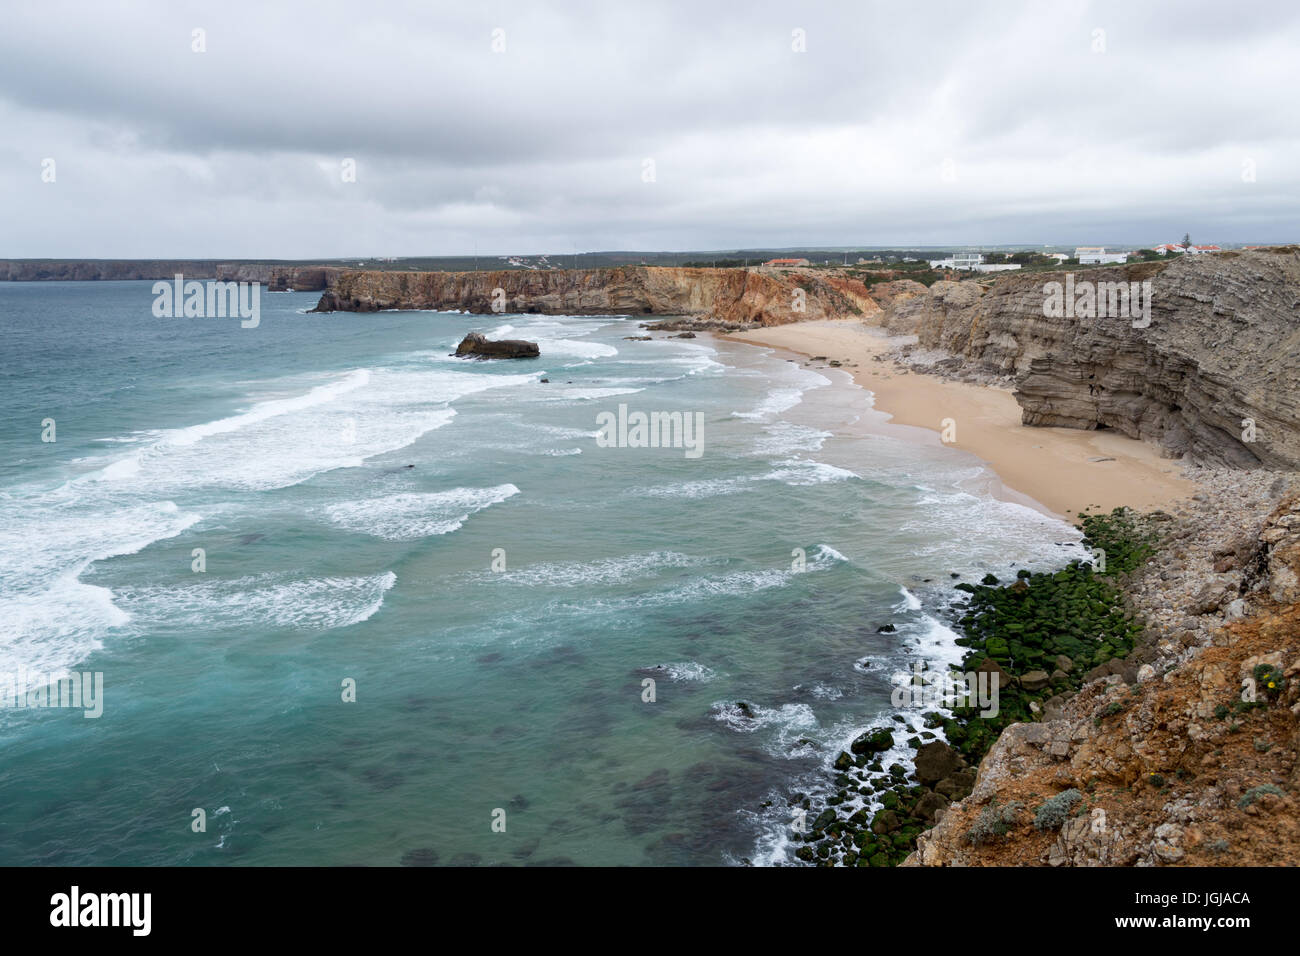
(1064, 470)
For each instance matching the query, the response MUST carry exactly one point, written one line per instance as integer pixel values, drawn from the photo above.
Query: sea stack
(479, 346)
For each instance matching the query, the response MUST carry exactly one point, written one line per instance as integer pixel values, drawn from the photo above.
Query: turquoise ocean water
(482, 694)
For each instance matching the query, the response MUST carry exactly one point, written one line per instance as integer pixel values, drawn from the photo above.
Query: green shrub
(1254, 793)
(993, 822)
(1056, 810)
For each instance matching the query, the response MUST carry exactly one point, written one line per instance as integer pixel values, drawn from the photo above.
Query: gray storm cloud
(531, 127)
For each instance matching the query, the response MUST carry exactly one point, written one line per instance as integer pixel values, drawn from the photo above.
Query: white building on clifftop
(1097, 255)
(961, 260)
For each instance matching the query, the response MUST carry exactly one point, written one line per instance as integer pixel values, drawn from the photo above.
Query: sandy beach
(1057, 468)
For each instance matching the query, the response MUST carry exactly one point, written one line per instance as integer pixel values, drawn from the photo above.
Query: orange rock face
(723, 296)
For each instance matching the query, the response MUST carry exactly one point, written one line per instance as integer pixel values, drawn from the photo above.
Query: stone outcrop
(1212, 376)
(728, 296)
(1172, 770)
(902, 301)
(281, 278)
(476, 345)
(1274, 567)
(1190, 758)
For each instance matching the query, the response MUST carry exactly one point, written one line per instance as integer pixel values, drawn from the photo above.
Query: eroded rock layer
(1213, 375)
(732, 296)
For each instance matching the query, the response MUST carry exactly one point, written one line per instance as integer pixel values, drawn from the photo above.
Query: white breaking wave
(49, 620)
(49, 537)
(793, 471)
(778, 400)
(785, 396)
(686, 671)
(805, 471)
(910, 601)
(783, 726)
(705, 488)
(571, 574)
(733, 584)
(283, 442)
(406, 517)
(588, 394)
(314, 604)
(782, 438)
(51, 630)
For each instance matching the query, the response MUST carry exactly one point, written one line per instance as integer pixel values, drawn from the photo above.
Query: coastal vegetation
(1039, 638)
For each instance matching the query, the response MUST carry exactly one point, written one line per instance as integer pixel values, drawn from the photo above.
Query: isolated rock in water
(877, 740)
(477, 344)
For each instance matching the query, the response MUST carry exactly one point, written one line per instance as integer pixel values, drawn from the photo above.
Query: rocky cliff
(723, 296)
(281, 278)
(277, 278)
(1188, 751)
(1210, 373)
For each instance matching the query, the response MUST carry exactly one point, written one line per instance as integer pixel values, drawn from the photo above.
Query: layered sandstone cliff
(1212, 374)
(730, 296)
(280, 278)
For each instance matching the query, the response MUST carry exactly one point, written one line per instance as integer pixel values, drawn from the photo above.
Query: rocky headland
(700, 298)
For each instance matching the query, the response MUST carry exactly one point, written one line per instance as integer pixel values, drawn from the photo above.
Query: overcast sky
(632, 125)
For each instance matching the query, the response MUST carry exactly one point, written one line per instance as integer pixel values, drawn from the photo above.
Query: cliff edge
(719, 296)
(1209, 373)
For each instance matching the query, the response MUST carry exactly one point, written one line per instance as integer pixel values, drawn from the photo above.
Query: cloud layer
(535, 127)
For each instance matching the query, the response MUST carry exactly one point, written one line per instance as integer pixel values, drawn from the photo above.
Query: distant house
(1058, 256)
(1189, 250)
(962, 260)
(785, 263)
(1198, 250)
(1097, 255)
